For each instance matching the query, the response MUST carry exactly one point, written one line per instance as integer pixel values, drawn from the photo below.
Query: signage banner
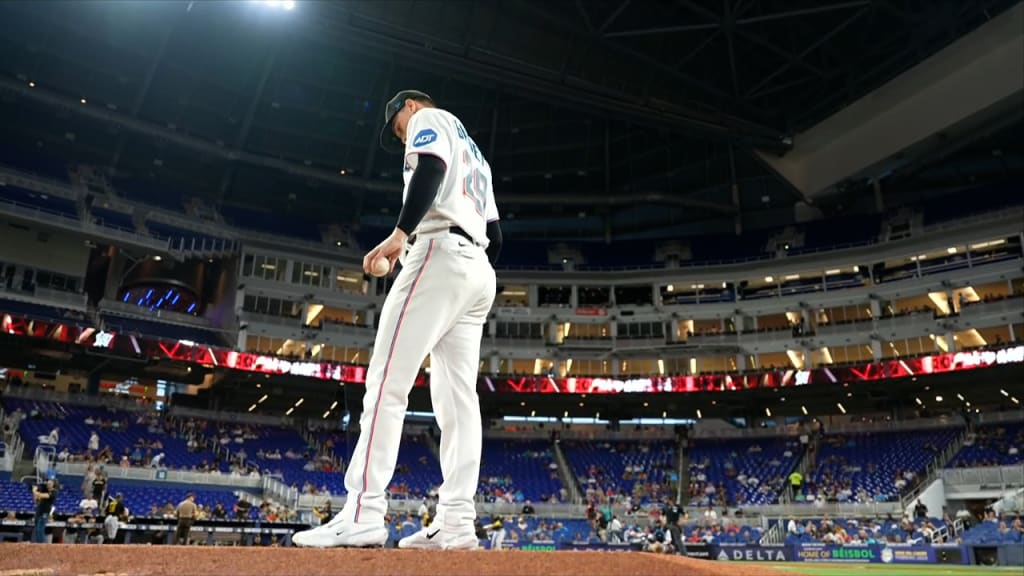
(593, 311)
(865, 554)
(751, 553)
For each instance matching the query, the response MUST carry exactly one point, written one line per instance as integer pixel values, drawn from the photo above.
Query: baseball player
(447, 239)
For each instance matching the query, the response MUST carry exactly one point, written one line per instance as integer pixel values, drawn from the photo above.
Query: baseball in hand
(380, 267)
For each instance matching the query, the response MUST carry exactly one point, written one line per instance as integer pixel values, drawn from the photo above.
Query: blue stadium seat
(38, 200)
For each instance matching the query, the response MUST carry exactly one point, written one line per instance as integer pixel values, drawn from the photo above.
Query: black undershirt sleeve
(494, 238)
(423, 187)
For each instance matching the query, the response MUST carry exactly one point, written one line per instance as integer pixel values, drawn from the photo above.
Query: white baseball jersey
(437, 305)
(466, 196)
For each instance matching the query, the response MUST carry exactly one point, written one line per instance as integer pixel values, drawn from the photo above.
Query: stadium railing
(997, 477)
(163, 475)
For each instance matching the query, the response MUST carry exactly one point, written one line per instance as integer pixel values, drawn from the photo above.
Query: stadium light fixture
(262, 400)
(251, 408)
(83, 101)
(326, 414)
(299, 402)
(1014, 400)
(960, 396)
(938, 398)
(841, 408)
(286, 4)
(918, 400)
(699, 415)
(804, 410)
(1004, 392)
(768, 411)
(290, 410)
(333, 405)
(31, 84)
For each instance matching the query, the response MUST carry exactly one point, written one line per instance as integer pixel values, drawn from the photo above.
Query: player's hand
(390, 248)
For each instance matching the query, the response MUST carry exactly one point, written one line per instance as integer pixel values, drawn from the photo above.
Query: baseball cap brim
(388, 141)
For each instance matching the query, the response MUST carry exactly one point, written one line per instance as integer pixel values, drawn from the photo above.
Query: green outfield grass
(814, 569)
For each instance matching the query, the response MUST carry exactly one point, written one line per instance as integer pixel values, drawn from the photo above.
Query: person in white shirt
(88, 505)
(94, 442)
(110, 527)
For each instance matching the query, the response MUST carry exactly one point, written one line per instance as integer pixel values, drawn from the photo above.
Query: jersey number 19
(475, 185)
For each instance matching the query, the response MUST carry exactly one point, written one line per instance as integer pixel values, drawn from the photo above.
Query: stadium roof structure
(601, 118)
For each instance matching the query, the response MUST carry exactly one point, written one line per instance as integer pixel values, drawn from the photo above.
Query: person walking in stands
(796, 480)
(186, 513)
(43, 495)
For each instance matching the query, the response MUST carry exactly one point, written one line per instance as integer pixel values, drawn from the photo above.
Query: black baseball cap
(388, 140)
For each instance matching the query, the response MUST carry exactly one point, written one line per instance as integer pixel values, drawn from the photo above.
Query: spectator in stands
(44, 495)
(920, 510)
(796, 480)
(94, 442)
(528, 508)
(186, 515)
(99, 485)
(52, 438)
(88, 505)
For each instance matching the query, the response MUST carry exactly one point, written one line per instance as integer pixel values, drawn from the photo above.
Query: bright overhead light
(289, 412)
(951, 250)
(326, 414)
(918, 400)
(335, 403)
(1014, 400)
(669, 288)
(158, 258)
(768, 279)
(841, 408)
(1004, 392)
(938, 398)
(251, 408)
(288, 4)
(31, 84)
(699, 415)
(299, 402)
(804, 410)
(262, 400)
(768, 411)
(961, 397)
(83, 101)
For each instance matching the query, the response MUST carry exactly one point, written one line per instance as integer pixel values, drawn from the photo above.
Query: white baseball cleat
(464, 541)
(434, 538)
(427, 538)
(341, 533)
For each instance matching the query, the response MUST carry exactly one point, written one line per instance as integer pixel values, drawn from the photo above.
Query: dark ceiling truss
(374, 35)
(250, 114)
(143, 91)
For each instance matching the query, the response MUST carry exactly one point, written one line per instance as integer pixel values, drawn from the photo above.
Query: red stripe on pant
(384, 379)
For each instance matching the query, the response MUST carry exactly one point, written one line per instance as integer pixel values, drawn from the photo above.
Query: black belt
(453, 230)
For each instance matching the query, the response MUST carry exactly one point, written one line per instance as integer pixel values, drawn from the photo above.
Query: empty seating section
(39, 311)
(164, 231)
(518, 470)
(271, 222)
(151, 193)
(118, 325)
(750, 471)
(620, 467)
(75, 424)
(38, 200)
(873, 463)
(992, 445)
(113, 219)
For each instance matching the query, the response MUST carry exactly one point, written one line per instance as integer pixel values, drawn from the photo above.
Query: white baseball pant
(437, 305)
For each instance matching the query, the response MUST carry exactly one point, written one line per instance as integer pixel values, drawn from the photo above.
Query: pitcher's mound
(141, 560)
